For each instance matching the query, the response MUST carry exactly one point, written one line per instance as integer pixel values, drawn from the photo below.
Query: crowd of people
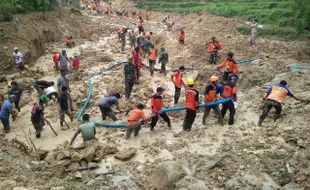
(220, 86)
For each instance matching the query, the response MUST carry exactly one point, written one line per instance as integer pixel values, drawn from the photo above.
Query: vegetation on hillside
(287, 18)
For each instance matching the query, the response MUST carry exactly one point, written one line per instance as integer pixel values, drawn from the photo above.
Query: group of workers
(220, 87)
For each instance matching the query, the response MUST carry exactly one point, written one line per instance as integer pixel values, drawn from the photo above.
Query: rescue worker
(157, 106)
(140, 27)
(69, 42)
(140, 14)
(213, 48)
(63, 58)
(210, 93)
(37, 115)
(152, 58)
(123, 38)
(105, 106)
(134, 122)
(136, 59)
(15, 90)
(18, 56)
(65, 105)
(147, 15)
(177, 79)
(75, 65)
(5, 112)
(132, 39)
(230, 66)
(130, 77)
(230, 91)
(56, 61)
(163, 59)
(88, 130)
(182, 36)
(274, 97)
(40, 85)
(146, 47)
(119, 33)
(191, 104)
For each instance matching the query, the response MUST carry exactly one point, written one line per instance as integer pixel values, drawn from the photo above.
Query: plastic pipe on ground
(296, 67)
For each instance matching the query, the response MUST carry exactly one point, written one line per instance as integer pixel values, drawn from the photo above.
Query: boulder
(126, 154)
(94, 37)
(76, 157)
(89, 154)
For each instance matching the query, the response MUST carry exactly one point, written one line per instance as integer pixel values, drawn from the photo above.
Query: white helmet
(16, 48)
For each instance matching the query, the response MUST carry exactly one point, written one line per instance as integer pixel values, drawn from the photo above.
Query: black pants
(17, 105)
(230, 106)
(155, 119)
(225, 76)
(177, 94)
(107, 112)
(268, 104)
(189, 119)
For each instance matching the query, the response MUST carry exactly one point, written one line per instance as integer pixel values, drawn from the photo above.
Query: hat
(160, 89)
(12, 96)
(162, 49)
(16, 48)
(190, 81)
(44, 98)
(75, 54)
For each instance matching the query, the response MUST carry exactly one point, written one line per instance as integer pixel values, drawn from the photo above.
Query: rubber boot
(276, 116)
(221, 121)
(231, 122)
(38, 134)
(260, 122)
(204, 117)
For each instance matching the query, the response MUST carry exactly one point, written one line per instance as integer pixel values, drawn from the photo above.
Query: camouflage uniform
(130, 77)
(132, 38)
(123, 39)
(147, 45)
(163, 59)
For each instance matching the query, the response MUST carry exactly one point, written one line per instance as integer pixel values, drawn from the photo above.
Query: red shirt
(56, 58)
(157, 103)
(177, 79)
(136, 115)
(192, 99)
(230, 90)
(230, 66)
(76, 63)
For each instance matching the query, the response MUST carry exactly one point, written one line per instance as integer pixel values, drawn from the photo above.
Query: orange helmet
(214, 79)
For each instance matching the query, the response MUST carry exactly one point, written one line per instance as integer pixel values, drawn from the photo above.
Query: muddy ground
(242, 156)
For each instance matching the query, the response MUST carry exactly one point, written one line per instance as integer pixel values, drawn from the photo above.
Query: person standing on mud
(15, 90)
(1, 98)
(177, 79)
(123, 38)
(37, 115)
(135, 120)
(132, 39)
(40, 85)
(136, 59)
(65, 105)
(230, 91)
(63, 80)
(105, 106)
(75, 65)
(157, 105)
(163, 59)
(210, 96)
(182, 36)
(152, 58)
(6, 110)
(191, 104)
(274, 97)
(63, 58)
(254, 32)
(230, 65)
(88, 130)
(213, 47)
(130, 77)
(56, 61)
(140, 27)
(147, 45)
(18, 56)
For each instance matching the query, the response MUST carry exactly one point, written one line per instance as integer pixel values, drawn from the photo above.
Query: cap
(12, 96)
(44, 98)
(162, 49)
(75, 54)
(160, 89)
(16, 48)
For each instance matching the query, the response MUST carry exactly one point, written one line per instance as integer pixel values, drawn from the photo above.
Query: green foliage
(6, 12)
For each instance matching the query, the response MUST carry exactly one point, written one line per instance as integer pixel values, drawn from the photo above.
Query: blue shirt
(219, 89)
(6, 110)
(282, 86)
(108, 101)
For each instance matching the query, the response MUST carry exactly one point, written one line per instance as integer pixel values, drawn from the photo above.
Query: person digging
(105, 106)
(64, 105)
(88, 130)
(6, 111)
(37, 115)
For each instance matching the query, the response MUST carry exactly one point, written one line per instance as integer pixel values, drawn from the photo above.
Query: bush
(6, 12)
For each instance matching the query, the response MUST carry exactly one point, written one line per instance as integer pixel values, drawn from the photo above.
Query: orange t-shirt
(153, 54)
(136, 115)
(230, 66)
(177, 79)
(192, 99)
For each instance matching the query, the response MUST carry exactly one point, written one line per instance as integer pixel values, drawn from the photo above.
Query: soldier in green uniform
(130, 76)
(163, 59)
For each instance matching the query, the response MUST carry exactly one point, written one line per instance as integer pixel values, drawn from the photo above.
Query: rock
(78, 175)
(20, 188)
(58, 188)
(8, 184)
(89, 154)
(106, 150)
(94, 37)
(288, 147)
(76, 157)
(228, 36)
(301, 143)
(126, 154)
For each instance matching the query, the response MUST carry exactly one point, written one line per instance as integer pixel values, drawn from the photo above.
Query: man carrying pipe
(37, 115)
(230, 65)
(177, 79)
(191, 104)
(88, 130)
(230, 91)
(274, 98)
(134, 122)
(210, 93)
(157, 105)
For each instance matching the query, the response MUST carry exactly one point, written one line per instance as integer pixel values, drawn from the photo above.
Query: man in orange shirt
(134, 122)
(274, 96)
(213, 48)
(210, 93)
(140, 27)
(177, 79)
(230, 91)
(157, 105)
(182, 36)
(191, 104)
(152, 58)
(230, 65)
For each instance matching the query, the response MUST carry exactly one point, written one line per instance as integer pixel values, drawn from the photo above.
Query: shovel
(52, 128)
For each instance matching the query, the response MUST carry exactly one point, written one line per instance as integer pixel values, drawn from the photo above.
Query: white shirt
(18, 57)
(50, 90)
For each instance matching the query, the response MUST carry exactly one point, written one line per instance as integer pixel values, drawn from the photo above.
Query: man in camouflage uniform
(130, 76)
(123, 38)
(163, 59)
(132, 39)
(147, 45)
